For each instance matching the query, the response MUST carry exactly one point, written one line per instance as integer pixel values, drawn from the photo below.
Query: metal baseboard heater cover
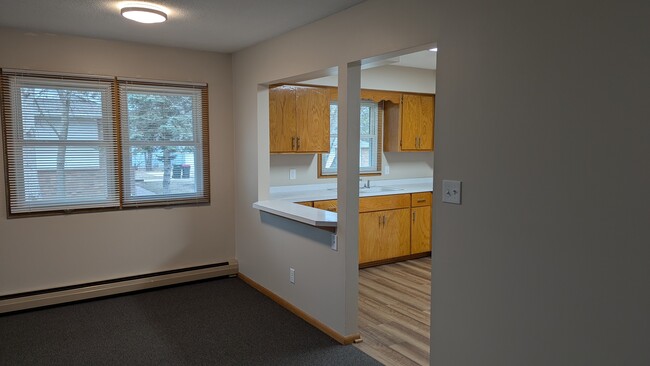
(61, 295)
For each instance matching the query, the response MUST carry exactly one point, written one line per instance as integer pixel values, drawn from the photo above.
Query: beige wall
(547, 261)
(401, 165)
(267, 246)
(46, 252)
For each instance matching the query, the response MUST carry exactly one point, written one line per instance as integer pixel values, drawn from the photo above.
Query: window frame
(13, 124)
(200, 140)
(378, 154)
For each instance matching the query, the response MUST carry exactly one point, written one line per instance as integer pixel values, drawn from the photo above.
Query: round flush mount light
(143, 14)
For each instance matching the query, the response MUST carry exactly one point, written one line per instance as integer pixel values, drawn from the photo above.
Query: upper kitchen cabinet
(409, 125)
(299, 119)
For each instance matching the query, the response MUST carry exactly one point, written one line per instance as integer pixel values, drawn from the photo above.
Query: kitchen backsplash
(401, 166)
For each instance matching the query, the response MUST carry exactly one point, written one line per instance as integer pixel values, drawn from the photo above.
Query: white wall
(45, 252)
(542, 111)
(402, 165)
(267, 246)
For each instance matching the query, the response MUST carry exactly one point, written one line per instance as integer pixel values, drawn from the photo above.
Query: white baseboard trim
(117, 287)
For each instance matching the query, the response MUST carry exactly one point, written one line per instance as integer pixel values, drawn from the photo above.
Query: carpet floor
(215, 322)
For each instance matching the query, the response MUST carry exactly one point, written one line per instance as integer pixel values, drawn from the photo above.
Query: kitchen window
(369, 145)
(62, 143)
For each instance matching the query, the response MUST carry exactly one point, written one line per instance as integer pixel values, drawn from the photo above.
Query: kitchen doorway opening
(395, 285)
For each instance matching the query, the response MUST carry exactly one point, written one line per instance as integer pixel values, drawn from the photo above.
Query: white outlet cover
(451, 191)
(292, 173)
(386, 169)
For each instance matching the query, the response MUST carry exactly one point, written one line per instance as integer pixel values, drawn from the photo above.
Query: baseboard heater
(34, 299)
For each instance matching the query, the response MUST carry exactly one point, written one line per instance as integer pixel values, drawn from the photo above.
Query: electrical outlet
(386, 169)
(292, 173)
(451, 191)
(334, 245)
(292, 275)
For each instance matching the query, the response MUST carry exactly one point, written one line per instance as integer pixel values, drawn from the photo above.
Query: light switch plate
(451, 190)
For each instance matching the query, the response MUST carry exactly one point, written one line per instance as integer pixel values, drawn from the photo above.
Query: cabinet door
(411, 110)
(370, 236)
(426, 123)
(420, 229)
(417, 122)
(396, 233)
(313, 119)
(282, 119)
(384, 235)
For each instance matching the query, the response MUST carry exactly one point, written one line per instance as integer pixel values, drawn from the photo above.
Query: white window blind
(164, 143)
(60, 145)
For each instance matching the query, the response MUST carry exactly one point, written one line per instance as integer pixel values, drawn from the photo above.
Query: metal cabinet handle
(420, 201)
(293, 143)
(298, 143)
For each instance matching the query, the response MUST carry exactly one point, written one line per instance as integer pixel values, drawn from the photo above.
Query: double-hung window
(60, 143)
(369, 143)
(162, 143)
(77, 143)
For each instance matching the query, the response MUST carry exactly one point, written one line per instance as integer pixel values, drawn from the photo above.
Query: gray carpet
(216, 322)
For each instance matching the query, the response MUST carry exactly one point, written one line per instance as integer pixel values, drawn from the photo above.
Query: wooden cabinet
(383, 235)
(392, 226)
(421, 222)
(327, 205)
(306, 203)
(384, 229)
(299, 119)
(409, 125)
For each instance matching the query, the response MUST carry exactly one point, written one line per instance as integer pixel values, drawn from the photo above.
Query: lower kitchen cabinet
(392, 226)
(383, 235)
(420, 229)
(421, 222)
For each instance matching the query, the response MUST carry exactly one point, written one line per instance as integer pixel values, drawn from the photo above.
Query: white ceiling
(421, 60)
(213, 25)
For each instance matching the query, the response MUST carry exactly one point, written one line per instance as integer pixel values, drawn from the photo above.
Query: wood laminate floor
(395, 312)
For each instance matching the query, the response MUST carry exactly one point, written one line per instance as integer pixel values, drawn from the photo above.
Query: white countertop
(282, 199)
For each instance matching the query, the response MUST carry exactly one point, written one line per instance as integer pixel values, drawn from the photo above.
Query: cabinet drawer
(369, 204)
(377, 203)
(421, 199)
(328, 205)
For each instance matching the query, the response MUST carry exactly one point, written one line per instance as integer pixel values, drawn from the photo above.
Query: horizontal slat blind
(60, 145)
(164, 138)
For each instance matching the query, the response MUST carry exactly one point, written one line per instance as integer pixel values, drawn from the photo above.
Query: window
(162, 143)
(62, 148)
(369, 144)
(59, 143)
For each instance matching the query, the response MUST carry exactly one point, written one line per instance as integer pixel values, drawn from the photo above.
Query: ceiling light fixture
(144, 14)
(434, 49)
